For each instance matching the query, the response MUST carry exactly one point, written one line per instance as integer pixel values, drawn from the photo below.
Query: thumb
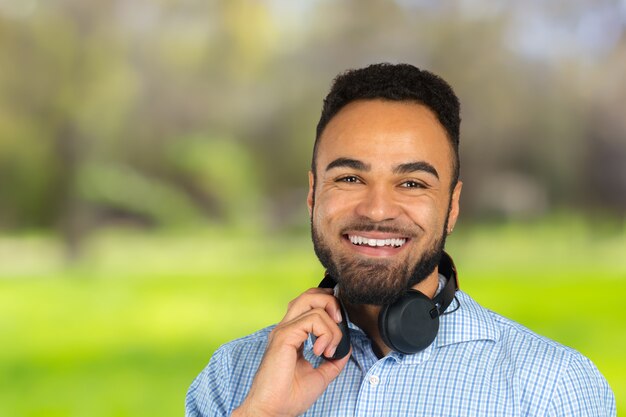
(330, 369)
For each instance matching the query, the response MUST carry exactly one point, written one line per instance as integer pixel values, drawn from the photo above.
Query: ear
(454, 206)
(310, 197)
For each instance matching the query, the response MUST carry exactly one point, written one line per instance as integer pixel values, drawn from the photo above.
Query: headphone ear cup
(408, 326)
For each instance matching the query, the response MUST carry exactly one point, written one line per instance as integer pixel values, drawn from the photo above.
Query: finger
(326, 341)
(314, 298)
(316, 322)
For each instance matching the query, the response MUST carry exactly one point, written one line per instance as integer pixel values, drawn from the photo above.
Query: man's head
(400, 82)
(384, 186)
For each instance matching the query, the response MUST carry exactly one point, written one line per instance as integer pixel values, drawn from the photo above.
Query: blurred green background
(153, 158)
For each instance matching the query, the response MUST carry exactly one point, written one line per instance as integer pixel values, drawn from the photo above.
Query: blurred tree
(155, 112)
(604, 181)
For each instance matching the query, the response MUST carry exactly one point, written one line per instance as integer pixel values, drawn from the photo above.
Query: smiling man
(384, 193)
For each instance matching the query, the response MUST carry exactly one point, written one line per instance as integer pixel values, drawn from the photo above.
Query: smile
(364, 241)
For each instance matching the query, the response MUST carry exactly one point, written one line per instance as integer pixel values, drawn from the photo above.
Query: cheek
(331, 207)
(427, 215)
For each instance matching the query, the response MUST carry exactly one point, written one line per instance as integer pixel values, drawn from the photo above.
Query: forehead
(384, 134)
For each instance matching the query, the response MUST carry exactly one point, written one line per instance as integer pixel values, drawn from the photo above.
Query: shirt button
(374, 380)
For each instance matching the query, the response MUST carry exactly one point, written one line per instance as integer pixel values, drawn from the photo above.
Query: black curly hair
(395, 82)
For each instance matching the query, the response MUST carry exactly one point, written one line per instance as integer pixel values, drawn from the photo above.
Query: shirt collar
(468, 322)
(465, 320)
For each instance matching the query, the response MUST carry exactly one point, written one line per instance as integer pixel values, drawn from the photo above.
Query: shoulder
(521, 343)
(581, 390)
(240, 354)
(549, 375)
(534, 351)
(224, 382)
(526, 343)
(245, 347)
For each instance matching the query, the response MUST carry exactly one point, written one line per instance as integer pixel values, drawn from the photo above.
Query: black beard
(375, 281)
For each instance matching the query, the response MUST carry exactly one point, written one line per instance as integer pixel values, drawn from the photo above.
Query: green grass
(123, 332)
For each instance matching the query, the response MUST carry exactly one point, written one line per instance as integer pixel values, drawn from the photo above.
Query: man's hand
(286, 384)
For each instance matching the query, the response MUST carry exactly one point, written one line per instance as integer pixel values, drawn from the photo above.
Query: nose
(377, 204)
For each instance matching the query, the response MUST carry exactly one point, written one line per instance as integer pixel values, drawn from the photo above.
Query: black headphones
(410, 324)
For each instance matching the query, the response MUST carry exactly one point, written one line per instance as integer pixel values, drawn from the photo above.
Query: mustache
(368, 226)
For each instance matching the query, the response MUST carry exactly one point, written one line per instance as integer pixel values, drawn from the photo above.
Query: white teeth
(360, 240)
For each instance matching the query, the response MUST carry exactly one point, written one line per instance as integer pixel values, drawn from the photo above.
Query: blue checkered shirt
(480, 364)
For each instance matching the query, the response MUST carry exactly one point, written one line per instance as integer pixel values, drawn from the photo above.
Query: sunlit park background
(153, 158)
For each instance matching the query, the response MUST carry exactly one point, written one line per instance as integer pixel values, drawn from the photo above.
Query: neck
(365, 316)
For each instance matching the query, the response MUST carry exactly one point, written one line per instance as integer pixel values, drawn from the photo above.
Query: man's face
(381, 202)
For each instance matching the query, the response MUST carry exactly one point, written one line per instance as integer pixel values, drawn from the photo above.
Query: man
(383, 194)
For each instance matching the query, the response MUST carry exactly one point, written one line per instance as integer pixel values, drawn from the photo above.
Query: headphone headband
(445, 297)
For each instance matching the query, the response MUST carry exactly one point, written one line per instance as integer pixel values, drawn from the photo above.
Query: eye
(412, 184)
(349, 179)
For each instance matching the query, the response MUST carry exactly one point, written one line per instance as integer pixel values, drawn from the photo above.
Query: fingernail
(331, 352)
(338, 316)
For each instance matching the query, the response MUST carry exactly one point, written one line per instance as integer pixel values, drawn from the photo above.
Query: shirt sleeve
(582, 392)
(209, 394)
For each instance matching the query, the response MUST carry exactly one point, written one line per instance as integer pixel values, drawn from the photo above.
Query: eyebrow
(416, 166)
(348, 163)
(398, 169)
